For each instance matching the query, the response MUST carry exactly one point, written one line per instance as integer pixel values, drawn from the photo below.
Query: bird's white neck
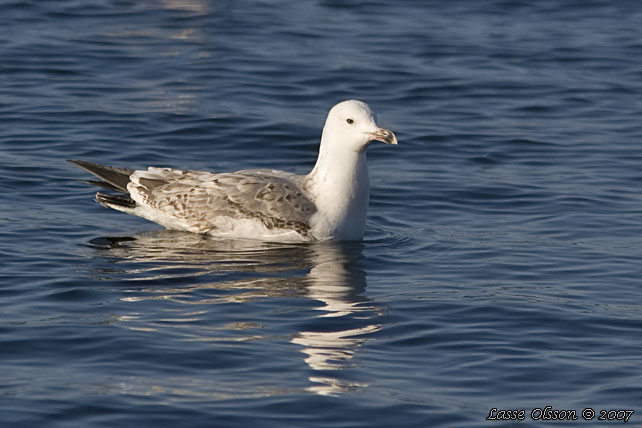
(340, 187)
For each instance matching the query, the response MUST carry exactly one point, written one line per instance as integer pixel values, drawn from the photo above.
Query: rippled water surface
(501, 266)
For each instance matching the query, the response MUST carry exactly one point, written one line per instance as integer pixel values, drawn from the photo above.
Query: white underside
(225, 227)
(253, 229)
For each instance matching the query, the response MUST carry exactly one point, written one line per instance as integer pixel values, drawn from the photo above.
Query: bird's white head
(351, 125)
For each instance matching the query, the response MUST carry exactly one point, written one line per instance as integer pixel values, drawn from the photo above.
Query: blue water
(502, 262)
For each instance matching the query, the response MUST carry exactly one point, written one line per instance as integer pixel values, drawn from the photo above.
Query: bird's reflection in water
(198, 270)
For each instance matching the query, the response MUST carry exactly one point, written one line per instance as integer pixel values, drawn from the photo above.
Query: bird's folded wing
(199, 199)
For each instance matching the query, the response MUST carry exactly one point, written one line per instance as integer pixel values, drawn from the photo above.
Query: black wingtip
(87, 166)
(77, 162)
(118, 178)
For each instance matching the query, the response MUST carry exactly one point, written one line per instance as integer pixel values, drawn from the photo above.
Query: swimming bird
(329, 203)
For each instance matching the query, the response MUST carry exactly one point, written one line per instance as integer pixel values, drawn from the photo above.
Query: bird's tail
(111, 178)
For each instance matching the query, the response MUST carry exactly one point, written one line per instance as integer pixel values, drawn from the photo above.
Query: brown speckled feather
(202, 202)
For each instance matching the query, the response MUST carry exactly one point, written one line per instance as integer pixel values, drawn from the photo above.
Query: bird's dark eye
(350, 121)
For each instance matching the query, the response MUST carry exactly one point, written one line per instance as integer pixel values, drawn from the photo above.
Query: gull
(329, 203)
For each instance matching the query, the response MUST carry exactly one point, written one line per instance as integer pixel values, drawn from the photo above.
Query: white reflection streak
(329, 350)
(332, 282)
